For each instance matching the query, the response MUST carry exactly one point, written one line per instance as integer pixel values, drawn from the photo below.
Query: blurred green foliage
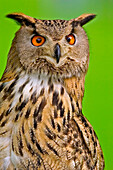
(98, 98)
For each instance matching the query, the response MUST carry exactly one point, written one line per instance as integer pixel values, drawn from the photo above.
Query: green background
(98, 99)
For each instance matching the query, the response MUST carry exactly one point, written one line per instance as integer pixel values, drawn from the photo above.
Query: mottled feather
(41, 121)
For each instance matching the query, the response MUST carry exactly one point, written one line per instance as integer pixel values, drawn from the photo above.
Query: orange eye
(71, 39)
(38, 40)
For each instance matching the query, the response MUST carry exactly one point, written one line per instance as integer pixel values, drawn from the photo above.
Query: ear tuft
(84, 18)
(22, 18)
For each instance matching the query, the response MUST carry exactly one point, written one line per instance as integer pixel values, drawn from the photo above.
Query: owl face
(52, 47)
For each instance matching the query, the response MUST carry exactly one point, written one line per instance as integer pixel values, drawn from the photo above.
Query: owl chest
(39, 108)
(40, 111)
(41, 102)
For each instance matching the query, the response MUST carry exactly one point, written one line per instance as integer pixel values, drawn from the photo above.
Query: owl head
(58, 48)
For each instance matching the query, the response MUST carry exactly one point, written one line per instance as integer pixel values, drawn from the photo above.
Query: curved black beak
(57, 53)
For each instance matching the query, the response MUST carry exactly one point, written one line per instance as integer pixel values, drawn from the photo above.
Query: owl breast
(42, 108)
(47, 128)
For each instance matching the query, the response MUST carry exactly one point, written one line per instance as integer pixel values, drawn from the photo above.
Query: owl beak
(57, 52)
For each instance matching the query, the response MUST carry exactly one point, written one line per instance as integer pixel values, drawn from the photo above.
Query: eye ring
(38, 40)
(71, 39)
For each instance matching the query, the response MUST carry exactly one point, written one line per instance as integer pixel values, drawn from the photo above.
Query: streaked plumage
(41, 120)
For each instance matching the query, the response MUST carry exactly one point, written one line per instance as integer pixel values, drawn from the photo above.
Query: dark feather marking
(93, 139)
(6, 90)
(80, 111)
(70, 59)
(95, 143)
(69, 139)
(20, 144)
(50, 88)
(42, 92)
(64, 121)
(4, 122)
(23, 104)
(90, 130)
(73, 108)
(2, 115)
(95, 134)
(75, 135)
(20, 99)
(52, 122)
(32, 135)
(55, 98)
(3, 132)
(33, 97)
(31, 89)
(95, 164)
(62, 90)
(38, 162)
(29, 148)
(73, 26)
(49, 81)
(88, 164)
(23, 128)
(102, 156)
(59, 107)
(94, 151)
(22, 87)
(62, 112)
(17, 116)
(39, 147)
(68, 115)
(10, 89)
(62, 22)
(58, 127)
(66, 130)
(49, 133)
(49, 136)
(41, 82)
(52, 149)
(34, 100)
(21, 114)
(40, 108)
(36, 112)
(84, 121)
(68, 126)
(75, 85)
(11, 96)
(12, 85)
(35, 124)
(71, 98)
(39, 118)
(55, 113)
(27, 113)
(8, 112)
(77, 104)
(12, 145)
(2, 86)
(82, 137)
(5, 96)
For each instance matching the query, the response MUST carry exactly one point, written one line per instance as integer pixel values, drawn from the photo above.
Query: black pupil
(68, 39)
(38, 40)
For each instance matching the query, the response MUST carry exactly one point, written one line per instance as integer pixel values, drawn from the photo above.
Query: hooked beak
(57, 52)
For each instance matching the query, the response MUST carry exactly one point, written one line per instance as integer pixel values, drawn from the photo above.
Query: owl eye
(71, 39)
(38, 40)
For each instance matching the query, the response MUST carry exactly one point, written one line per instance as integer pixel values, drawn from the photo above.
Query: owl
(42, 126)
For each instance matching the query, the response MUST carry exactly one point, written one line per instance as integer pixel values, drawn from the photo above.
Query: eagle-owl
(41, 92)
